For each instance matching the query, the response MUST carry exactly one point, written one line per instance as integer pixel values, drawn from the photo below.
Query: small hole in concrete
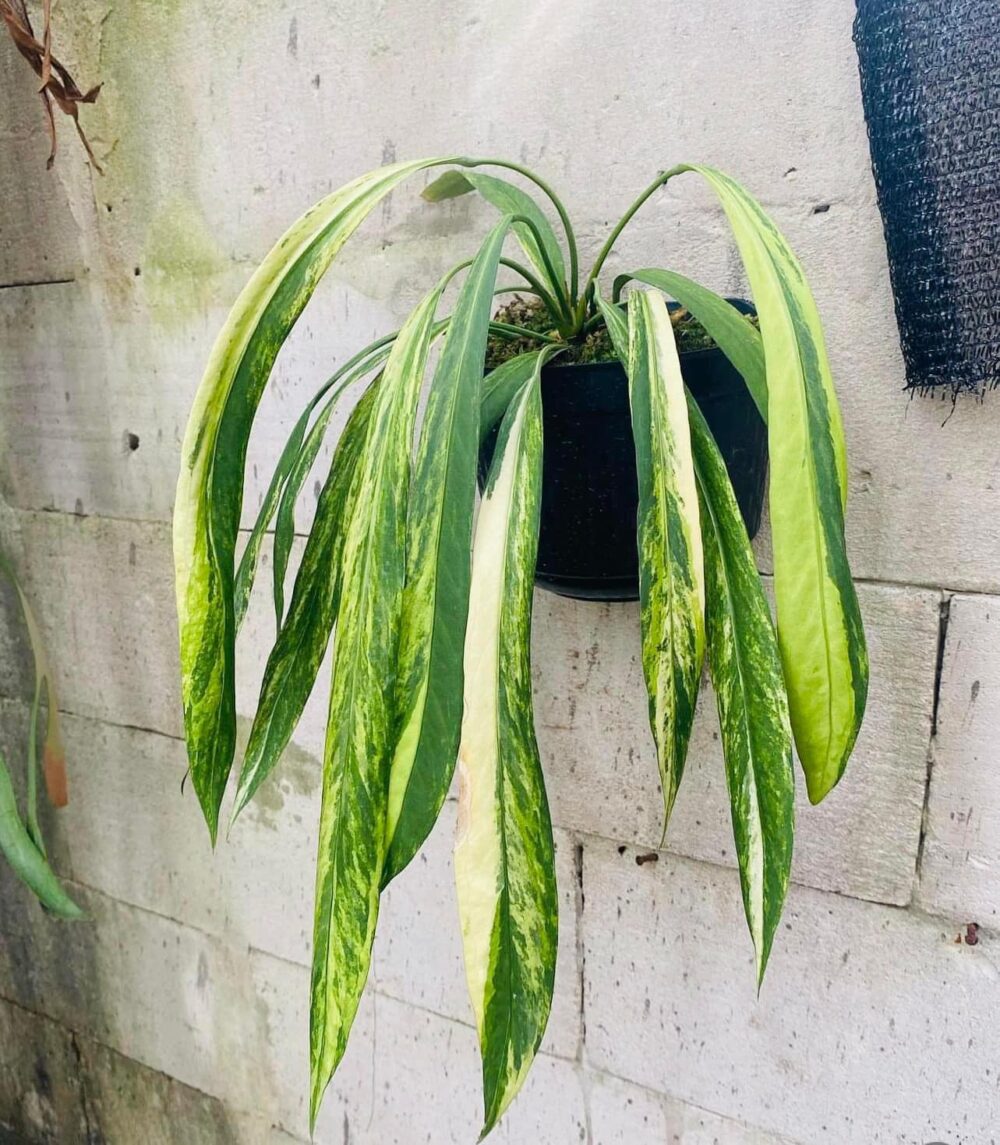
(821, 208)
(132, 441)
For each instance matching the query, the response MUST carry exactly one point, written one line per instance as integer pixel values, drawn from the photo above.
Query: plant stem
(623, 222)
(564, 303)
(550, 303)
(522, 332)
(574, 272)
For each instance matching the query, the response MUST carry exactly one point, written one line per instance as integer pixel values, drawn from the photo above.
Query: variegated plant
(431, 606)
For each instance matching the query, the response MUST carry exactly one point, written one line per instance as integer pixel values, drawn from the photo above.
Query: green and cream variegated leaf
(616, 323)
(750, 693)
(732, 333)
(247, 571)
(295, 659)
(504, 858)
(359, 740)
(538, 240)
(671, 573)
(210, 486)
(820, 633)
(290, 473)
(501, 385)
(438, 570)
(284, 521)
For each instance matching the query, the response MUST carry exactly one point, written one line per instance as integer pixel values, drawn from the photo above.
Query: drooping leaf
(671, 574)
(284, 521)
(540, 244)
(732, 333)
(438, 570)
(750, 693)
(500, 387)
(247, 570)
(290, 473)
(504, 857)
(284, 524)
(359, 741)
(26, 860)
(295, 659)
(820, 633)
(210, 486)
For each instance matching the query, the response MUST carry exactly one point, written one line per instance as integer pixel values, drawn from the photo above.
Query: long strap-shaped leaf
(730, 330)
(295, 659)
(246, 573)
(359, 737)
(284, 523)
(501, 386)
(538, 241)
(291, 470)
(504, 851)
(820, 633)
(671, 574)
(210, 486)
(438, 571)
(750, 693)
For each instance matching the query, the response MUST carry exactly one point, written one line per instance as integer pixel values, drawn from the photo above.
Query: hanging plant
(432, 606)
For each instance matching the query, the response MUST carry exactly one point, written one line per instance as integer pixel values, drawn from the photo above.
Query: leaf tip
(450, 185)
(819, 785)
(243, 796)
(761, 967)
(317, 1088)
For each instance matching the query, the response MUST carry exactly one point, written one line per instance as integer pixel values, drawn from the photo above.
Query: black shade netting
(930, 82)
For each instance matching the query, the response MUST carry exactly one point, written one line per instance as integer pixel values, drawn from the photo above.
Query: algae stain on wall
(298, 773)
(181, 263)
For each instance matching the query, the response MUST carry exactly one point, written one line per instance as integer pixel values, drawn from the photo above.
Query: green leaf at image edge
(27, 862)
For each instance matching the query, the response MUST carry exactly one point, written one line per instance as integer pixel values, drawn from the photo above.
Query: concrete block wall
(178, 1012)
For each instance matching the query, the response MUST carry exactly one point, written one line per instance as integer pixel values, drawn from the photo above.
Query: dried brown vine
(57, 85)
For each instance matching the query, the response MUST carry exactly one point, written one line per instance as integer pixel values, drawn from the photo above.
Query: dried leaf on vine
(57, 85)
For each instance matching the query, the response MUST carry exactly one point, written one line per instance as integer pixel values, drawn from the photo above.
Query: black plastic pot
(587, 542)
